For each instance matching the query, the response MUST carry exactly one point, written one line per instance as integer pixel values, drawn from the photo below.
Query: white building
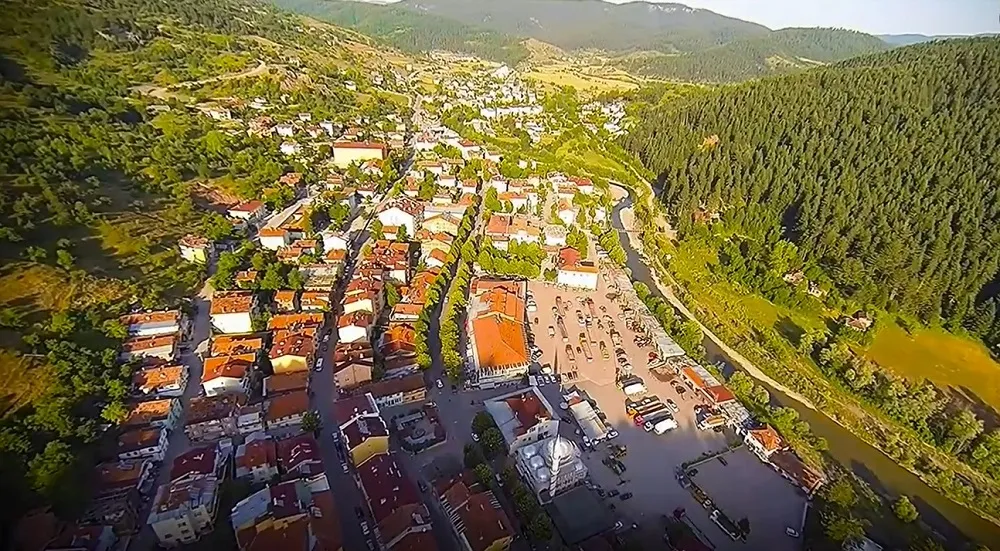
(551, 466)
(403, 213)
(581, 276)
(524, 417)
(183, 512)
(232, 311)
(334, 241)
(144, 443)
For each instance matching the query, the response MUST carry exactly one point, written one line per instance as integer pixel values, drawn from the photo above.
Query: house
(116, 476)
(286, 410)
(860, 321)
(195, 249)
(346, 153)
(164, 413)
(555, 236)
(296, 322)
(395, 504)
(183, 512)
(250, 418)
(475, 514)
(468, 149)
(161, 381)
(393, 391)
(284, 300)
(334, 241)
(523, 416)
(202, 462)
(300, 455)
(448, 181)
(227, 374)
(517, 200)
(143, 443)
(583, 185)
(406, 312)
(284, 130)
(434, 241)
(504, 228)
(400, 339)
(233, 311)
(286, 382)
(404, 212)
(442, 223)
(234, 345)
(250, 211)
(566, 212)
(273, 238)
(763, 441)
(354, 327)
(257, 459)
(346, 410)
(209, 418)
(574, 272)
(163, 347)
(352, 370)
(436, 259)
(151, 324)
(292, 351)
(365, 436)
(289, 148)
(498, 183)
(292, 515)
(470, 186)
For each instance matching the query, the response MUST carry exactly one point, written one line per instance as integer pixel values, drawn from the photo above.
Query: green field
(945, 359)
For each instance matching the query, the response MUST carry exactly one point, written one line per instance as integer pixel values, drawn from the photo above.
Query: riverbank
(859, 454)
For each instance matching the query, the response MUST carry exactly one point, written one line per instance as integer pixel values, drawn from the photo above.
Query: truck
(634, 389)
(593, 311)
(585, 345)
(616, 338)
(604, 351)
(562, 330)
(559, 306)
(570, 354)
(644, 414)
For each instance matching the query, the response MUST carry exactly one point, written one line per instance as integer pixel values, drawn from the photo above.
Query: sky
(870, 16)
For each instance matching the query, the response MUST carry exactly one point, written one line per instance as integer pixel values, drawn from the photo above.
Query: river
(952, 520)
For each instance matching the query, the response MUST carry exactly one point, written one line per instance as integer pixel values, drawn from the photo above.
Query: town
(431, 342)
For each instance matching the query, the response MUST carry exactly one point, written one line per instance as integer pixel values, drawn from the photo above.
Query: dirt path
(166, 92)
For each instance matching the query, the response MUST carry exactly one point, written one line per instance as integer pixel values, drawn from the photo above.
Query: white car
(439, 384)
(319, 364)
(326, 338)
(475, 437)
(612, 434)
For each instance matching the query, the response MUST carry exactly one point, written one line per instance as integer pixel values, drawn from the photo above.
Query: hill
(882, 172)
(696, 44)
(109, 157)
(412, 31)
(779, 51)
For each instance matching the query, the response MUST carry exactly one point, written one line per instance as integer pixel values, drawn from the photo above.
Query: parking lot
(651, 459)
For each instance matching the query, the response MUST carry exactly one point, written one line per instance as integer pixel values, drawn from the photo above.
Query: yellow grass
(564, 75)
(947, 360)
(23, 381)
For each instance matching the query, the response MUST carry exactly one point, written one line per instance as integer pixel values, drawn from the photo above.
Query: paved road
(178, 442)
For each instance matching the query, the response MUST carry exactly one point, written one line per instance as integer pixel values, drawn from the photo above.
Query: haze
(931, 17)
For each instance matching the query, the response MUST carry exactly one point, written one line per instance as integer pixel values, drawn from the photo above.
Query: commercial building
(209, 418)
(523, 417)
(394, 391)
(299, 456)
(365, 437)
(286, 410)
(498, 346)
(161, 347)
(292, 351)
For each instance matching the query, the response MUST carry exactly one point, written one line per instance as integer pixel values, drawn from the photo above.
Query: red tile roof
(347, 408)
(720, 394)
(386, 486)
(293, 452)
(197, 462)
(295, 321)
(168, 316)
(226, 345)
(258, 453)
(286, 382)
(288, 343)
(499, 342)
(768, 438)
(227, 366)
(528, 409)
(230, 302)
(287, 405)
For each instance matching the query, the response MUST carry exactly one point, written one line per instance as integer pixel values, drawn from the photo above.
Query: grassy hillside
(106, 162)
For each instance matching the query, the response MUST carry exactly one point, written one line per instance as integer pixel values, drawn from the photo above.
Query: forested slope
(411, 31)
(883, 170)
(776, 52)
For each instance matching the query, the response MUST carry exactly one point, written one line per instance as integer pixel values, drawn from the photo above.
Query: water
(953, 520)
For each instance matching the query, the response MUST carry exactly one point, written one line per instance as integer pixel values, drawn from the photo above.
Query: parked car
(475, 437)
(626, 496)
(791, 532)
(672, 405)
(439, 383)
(319, 364)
